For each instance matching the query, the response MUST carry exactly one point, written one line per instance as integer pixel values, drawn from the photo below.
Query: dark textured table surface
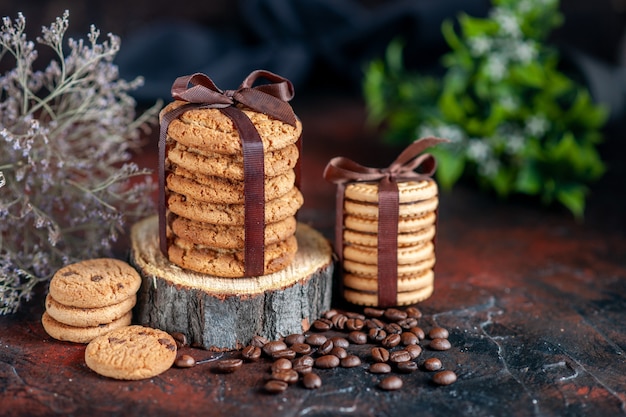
(535, 303)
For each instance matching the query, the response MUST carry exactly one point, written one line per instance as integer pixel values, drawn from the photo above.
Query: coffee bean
(432, 364)
(380, 368)
(393, 314)
(327, 361)
(274, 386)
(180, 339)
(413, 312)
(185, 361)
(374, 324)
(301, 348)
(285, 353)
(391, 383)
(354, 315)
(326, 347)
(354, 324)
(287, 375)
(407, 323)
(227, 366)
(328, 314)
(373, 312)
(339, 352)
(294, 338)
(258, 341)
(339, 321)
(444, 378)
(438, 333)
(358, 338)
(393, 328)
(322, 324)
(419, 332)
(406, 367)
(274, 346)
(282, 363)
(311, 381)
(440, 344)
(340, 342)
(350, 361)
(316, 339)
(302, 369)
(408, 338)
(305, 360)
(391, 341)
(379, 354)
(414, 350)
(377, 335)
(251, 353)
(399, 356)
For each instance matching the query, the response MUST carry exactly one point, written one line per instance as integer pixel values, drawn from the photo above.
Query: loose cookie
(88, 317)
(131, 353)
(75, 334)
(94, 283)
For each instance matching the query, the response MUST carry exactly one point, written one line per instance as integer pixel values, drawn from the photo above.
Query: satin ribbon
(200, 92)
(341, 170)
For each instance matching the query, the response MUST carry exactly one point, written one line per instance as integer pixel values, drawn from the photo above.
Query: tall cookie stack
(415, 251)
(205, 191)
(90, 298)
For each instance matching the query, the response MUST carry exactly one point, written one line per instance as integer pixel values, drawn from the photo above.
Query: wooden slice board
(225, 313)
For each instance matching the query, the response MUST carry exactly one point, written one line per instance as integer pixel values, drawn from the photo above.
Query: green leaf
(450, 166)
(528, 179)
(573, 198)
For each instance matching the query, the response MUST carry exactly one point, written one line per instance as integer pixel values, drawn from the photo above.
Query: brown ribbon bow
(200, 92)
(341, 170)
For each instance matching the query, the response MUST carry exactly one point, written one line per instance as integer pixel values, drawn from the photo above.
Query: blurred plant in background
(66, 136)
(517, 124)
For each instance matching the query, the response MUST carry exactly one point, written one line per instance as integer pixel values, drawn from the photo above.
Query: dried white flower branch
(67, 132)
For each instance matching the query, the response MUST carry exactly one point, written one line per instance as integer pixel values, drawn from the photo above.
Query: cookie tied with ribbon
(223, 157)
(385, 227)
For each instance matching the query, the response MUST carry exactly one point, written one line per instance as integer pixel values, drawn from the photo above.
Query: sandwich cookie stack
(89, 299)
(418, 203)
(205, 191)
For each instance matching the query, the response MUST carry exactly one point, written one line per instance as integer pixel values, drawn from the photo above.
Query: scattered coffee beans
(292, 339)
(180, 339)
(391, 341)
(380, 354)
(282, 363)
(440, 344)
(311, 381)
(438, 333)
(275, 346)
(358, 338)
(339, 352)
(374, 324)
(380, 368)
(339, 321)
(327, 361)
(376, 335)
(406, 367)
(414, 350)
(285, 353)
(373, 312)
(251, 353)
(286, 375)
(408, 338)
(413, 312)
(326, 347)
(432, 364)
(274, 386)
(419, 332)
(322, 324)
(393, 328)
(259, 341)
(185, 361)
(350, 361)
(354, 324)
(444, 378)
(399, 356)
(316, 339)
(391, 383)
(341, 342)
(227, 366)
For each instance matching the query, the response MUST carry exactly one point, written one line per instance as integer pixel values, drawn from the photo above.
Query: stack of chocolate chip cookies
(415, 251)
(205, 192)
(90, 298)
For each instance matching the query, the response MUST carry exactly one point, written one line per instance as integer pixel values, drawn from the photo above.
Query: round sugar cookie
(88, 317)
(132, 353)
(233, 214)
(405, 224)
(94, 283)
(406, 255)
(369, 270)
(223, 191)
(75, 334)
(371, 299)
(213, 131)
(408, 191)
(229, 166)
(411, 283)
(404, 239)
(228, 263)
(226, 236)
(370, 210)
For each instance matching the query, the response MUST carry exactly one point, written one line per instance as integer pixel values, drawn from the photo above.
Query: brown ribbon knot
(200, 92)
(341, 170)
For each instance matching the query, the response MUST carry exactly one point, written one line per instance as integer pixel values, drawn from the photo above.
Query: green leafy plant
(67, 132)
(516, 122)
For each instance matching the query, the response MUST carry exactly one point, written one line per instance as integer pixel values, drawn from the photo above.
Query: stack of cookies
(205, 192)
(415, 251)
(90, 298)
